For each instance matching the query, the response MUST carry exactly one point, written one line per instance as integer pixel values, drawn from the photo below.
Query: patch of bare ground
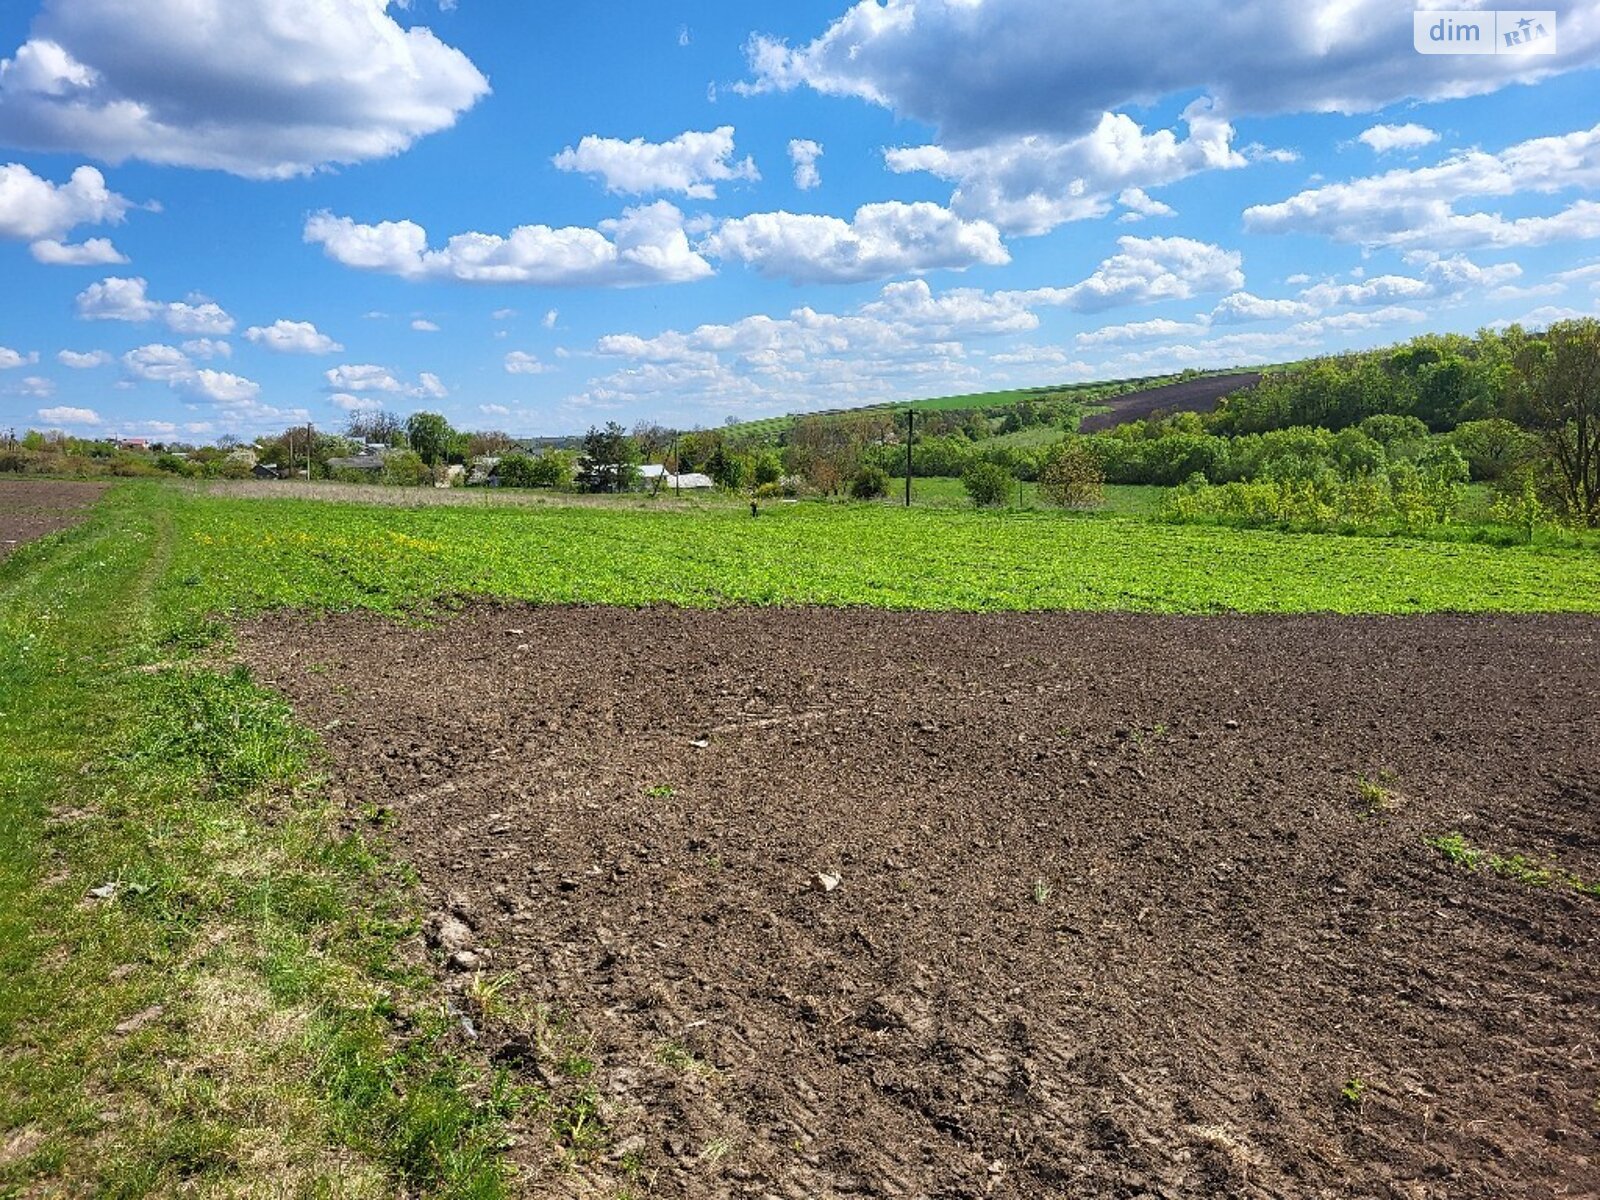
(1190, 395)
(1116, 914)
(31, 508)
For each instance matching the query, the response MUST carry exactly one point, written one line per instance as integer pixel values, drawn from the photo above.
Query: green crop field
(239, 555)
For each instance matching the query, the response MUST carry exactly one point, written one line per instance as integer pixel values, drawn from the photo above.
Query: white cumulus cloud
(67, 415)
(371, 379)
(292, 337)
(1140, 206)
(1149, 269)
(267, 89)
(803, 154)
(1440, 277)
(92, 252)
(119, 299)
(885, 239)
(520, 362)
(692, 163)
(954, 313)
(207, 348)
(645, 245)
(1364, 319)
(33, 209)
(362, 377)
(1053, 69)
(223, 387)
(1029, 184)
(158, 363)
(1137, 331)
(1418, 208)
(1384, 138)
(1242, 307)
(11, 359)
(83, 360)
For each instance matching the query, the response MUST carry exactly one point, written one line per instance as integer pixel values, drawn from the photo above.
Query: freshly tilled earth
(1115, 913)
(32, 508)
(1190, 395)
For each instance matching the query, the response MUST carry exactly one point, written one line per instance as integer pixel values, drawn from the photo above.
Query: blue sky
(220, 218)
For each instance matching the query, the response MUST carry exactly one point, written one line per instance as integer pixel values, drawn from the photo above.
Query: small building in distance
(688, 481)
(654, 477)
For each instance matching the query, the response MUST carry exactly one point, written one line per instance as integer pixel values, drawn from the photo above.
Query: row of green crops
(236, 555)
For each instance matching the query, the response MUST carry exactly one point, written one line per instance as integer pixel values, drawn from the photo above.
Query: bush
(1406, 499)
(1070, 476)
(869, 484)
(406, 469)
(767, 470)
(515, 471)
(769, 491)
(988, 484)
(1521, 507)
(550, 469)
(1396, 434)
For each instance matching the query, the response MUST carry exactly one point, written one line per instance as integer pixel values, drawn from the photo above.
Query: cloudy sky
(219, 217)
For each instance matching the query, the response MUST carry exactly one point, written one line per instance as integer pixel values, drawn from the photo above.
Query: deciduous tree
(430, 436)
(1555, 386)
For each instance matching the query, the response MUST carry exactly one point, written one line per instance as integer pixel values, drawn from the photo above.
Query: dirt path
(32, 508)
(1116, 917)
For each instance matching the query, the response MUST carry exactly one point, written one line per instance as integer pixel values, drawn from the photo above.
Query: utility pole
(911, 417)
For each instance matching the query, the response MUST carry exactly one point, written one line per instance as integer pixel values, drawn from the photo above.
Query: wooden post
(911, 417)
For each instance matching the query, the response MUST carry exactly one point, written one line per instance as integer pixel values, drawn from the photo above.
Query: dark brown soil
(1115, 917)
(1193, 395)
(32, 508)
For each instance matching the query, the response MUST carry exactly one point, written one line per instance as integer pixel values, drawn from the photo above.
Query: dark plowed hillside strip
(32, 508)
(1116, 917)
(1192, 395)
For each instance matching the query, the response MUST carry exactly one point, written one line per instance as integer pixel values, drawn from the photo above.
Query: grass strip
(202, 980)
